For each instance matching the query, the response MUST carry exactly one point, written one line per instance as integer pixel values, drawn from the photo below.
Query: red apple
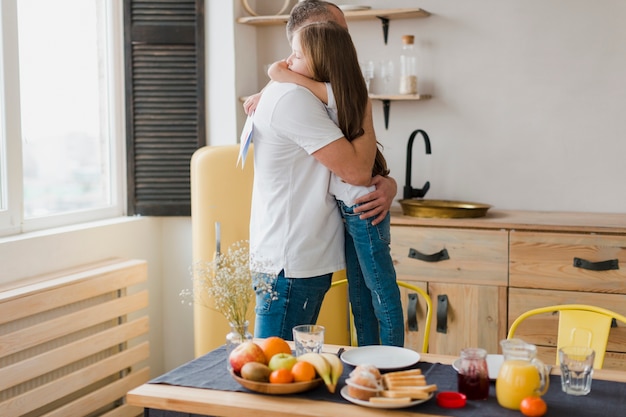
(244, 353)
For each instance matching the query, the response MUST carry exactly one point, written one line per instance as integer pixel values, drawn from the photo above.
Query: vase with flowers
(225, 285)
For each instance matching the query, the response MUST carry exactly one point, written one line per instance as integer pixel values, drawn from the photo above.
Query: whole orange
(273, 345)
(533, 407)
(303, 371)
(281, 376)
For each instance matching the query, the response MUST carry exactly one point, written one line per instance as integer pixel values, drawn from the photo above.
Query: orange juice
(516, 380)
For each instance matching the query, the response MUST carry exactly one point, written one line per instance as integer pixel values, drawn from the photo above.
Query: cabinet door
(475, 317)
(414, 308)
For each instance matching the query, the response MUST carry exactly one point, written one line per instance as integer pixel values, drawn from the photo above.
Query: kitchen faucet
(410, 192)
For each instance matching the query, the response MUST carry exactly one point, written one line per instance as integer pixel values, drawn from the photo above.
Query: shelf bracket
(386, 106)
(385, 22)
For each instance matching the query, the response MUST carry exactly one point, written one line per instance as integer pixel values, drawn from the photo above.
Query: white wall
(527, 98)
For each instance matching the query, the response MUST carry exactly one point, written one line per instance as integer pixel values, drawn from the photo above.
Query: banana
(336, 369)
(322, 367)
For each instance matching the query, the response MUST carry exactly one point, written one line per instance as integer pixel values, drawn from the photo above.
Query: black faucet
(410, 192)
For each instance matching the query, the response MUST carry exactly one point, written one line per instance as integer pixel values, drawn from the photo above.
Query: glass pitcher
(521, 375)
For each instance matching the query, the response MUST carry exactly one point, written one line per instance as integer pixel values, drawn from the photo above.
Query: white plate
(352, 7)
(382, 357)
(344, 394)
(494, 362)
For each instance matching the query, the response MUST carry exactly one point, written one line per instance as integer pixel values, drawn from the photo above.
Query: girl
(324, 60)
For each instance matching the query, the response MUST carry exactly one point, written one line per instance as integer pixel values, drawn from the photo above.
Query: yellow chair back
(579, 325)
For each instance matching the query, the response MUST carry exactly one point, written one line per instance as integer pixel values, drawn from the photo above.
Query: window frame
(12, 219)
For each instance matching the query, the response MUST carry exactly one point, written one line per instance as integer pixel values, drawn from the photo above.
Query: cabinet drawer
(473, 256)
(548, 260)
(541, 330)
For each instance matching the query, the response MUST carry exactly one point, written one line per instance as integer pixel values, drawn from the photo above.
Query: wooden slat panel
(46, 294)
(51, 329)
(106, 395)
(50, 392)
(27, 369)
(165, 102)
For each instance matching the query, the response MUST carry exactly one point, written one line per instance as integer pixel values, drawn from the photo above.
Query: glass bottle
(238, 334)
(408, 66)
(473, 378)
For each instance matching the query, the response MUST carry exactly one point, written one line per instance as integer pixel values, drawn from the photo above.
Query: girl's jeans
(372, 288)
(294, 301)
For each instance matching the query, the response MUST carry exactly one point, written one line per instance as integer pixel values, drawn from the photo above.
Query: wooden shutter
(165, 102)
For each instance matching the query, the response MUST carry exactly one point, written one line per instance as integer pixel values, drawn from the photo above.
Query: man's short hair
(308, 11)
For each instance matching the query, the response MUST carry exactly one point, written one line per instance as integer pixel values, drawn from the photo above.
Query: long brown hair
(332, 58)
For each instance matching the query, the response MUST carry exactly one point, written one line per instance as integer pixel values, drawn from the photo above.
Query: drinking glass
(576, 369)
(386, 73)
(308, 338)
(367, 68)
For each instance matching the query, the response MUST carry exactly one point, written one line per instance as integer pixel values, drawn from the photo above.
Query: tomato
(533, 407)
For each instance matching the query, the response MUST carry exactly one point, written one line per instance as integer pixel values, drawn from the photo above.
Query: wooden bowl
(276, 389)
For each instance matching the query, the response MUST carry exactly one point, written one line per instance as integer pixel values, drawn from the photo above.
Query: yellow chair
(421, 292)
(579, 325)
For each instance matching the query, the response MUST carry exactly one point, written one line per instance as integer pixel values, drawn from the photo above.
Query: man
(295, 227)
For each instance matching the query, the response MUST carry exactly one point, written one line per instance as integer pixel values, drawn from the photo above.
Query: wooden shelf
(400, 97)
(387, 99)
(370, 14)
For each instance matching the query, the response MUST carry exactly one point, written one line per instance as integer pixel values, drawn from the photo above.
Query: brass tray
(448, 209)
(276, 389)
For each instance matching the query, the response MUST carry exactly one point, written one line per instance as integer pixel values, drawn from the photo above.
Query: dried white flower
(225, 284)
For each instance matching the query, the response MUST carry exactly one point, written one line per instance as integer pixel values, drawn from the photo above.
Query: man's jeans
(294, 301)
(372, 288)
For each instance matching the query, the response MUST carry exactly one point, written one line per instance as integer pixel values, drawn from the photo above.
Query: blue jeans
(372, 288)
(294, 301)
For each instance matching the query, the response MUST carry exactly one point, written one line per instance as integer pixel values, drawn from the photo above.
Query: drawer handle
(442, 313)
(596, 266)
(411, 313)
(442, 255)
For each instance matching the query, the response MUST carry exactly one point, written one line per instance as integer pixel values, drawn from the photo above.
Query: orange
(281, 376)
(533, 407)
(273, 345)
(303, 371)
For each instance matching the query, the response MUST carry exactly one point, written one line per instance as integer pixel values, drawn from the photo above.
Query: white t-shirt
(294, 222)
(339, 188)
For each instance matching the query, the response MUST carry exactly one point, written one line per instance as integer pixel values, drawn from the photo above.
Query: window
(61, 107)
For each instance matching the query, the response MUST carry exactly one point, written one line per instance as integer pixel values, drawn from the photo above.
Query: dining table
(204, 387)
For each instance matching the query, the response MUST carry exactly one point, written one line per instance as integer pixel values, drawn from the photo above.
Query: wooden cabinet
(465, 274)
(507, 263)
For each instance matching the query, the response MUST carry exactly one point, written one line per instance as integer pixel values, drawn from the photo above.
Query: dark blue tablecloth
(606, 398)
